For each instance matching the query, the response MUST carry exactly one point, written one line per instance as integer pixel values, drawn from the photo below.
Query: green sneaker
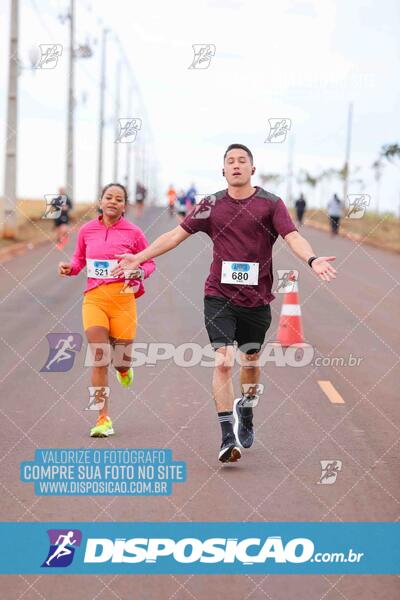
(103, 427)
(127, 379)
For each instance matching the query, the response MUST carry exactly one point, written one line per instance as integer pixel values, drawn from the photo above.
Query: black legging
(335, 221)
(300, 215)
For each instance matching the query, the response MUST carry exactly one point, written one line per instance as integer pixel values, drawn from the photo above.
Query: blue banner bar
(200, 548)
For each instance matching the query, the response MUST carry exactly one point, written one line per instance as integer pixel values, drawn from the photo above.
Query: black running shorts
(63, 219)
(227, 323)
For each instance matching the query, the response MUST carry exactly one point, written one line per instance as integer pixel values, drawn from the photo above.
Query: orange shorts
(105, 306)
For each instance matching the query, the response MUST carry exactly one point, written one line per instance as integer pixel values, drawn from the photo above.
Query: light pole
(289, 198)
(101, 112)
(347, 158)
(10, 178)
(71, 105)
(116, 117)
(128, 167)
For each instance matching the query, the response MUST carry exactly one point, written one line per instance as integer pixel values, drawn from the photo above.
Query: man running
(335, 209)
(108, 311)
(243, 222)
(300, 207)
(140, 197)
(190, 199)
(62, 221)
(181, 205)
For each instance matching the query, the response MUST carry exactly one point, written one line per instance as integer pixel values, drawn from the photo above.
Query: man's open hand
(323, 269)
(127, 263)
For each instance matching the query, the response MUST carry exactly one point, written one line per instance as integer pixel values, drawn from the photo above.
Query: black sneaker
(230, 451)
(243, 421)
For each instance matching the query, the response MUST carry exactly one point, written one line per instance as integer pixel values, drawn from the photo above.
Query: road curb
(19, 249)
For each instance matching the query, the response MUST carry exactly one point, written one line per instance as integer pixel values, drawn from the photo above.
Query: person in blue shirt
(180, 205)
(190, 198)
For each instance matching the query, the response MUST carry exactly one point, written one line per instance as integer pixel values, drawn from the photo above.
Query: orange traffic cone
(290, 330)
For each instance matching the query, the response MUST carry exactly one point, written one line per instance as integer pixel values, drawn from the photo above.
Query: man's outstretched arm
(301, 248)
(164, 243)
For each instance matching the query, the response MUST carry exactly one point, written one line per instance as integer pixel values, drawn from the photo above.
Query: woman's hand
(64, 269)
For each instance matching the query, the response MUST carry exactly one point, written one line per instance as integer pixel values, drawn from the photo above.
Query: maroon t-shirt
(241, 231)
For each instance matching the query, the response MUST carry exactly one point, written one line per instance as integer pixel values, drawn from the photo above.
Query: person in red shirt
(243, 222)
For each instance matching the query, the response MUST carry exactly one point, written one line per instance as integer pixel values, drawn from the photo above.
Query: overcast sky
(304, 61)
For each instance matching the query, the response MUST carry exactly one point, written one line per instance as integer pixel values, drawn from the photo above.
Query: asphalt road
(297, 425)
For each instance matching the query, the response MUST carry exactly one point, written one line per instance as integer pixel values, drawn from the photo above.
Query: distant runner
(62, 221)
(171, 194)
(335, 210)
(190, 199)
(140, 197)
(300, 206)
(181, 205)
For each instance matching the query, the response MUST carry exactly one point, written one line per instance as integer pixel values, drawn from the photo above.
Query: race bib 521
(99, 268)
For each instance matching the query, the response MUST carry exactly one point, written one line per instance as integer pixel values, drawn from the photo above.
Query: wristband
(311, 260)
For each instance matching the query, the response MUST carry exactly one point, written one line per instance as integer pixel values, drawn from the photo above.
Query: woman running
(109, 305)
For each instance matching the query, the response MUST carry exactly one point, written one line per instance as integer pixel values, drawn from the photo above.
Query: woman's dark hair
(123, 188)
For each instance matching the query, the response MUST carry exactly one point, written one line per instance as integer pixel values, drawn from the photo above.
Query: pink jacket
(97, 241)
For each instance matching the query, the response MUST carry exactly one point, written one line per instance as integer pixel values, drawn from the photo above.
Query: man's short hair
(240, 147)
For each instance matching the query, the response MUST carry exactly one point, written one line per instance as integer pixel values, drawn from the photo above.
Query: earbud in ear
(253, 170)
(223, 172)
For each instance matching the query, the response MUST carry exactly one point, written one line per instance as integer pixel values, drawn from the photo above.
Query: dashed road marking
(329, 390)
